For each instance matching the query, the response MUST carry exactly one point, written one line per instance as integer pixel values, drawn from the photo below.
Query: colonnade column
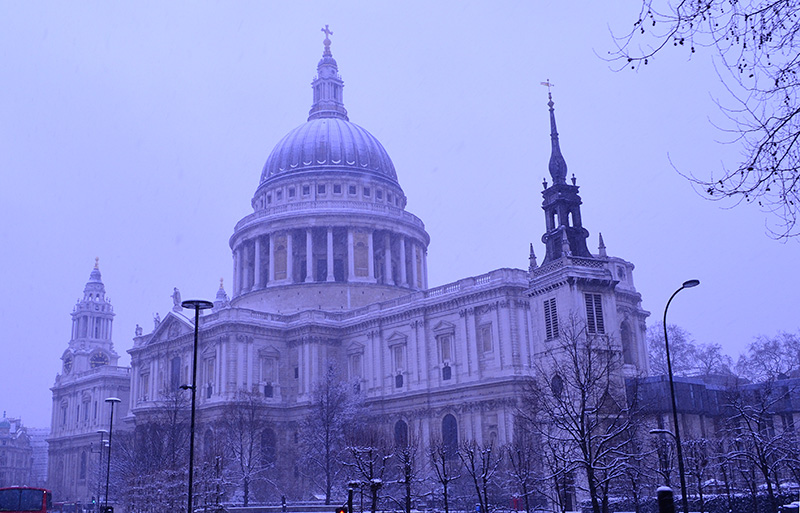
(424, 267)
(257, 264)
(237, 273)
(247, 273)
(271, 260)
(289, 258)
(403, 272)
(388, 259)
(370, 256)
(309, 256)
(351, 262)
(331, 277)
(414, 275)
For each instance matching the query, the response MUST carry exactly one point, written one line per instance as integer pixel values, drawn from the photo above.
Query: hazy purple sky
(136, 132)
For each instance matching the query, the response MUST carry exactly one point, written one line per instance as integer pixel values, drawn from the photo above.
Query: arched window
(450, 435)
(627, 343)
(268, 449)
(175, 372)
(400, 433)
(557, 386)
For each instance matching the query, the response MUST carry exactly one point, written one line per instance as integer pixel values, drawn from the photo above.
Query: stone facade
(16, 453)
(330, 269)
(89, 376)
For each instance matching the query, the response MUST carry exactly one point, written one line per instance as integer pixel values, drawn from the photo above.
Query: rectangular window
(306, 190)
(278, 195)
(379, 194)
(355, 366)
(398, 354)
(269, 199)
(337, 188)
(296, 372)
(267, 370)
(367, 192)
(550, 319)
(321, 188)
(594, 313)
(351, 190)
(445, 343)
(485, 337)
(291, 192)
(144, 387)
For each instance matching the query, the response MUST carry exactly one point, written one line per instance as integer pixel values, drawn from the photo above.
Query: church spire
(564, 232)
(327, 85)
(558, 166)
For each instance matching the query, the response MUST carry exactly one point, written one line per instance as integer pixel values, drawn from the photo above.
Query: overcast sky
(136, 132)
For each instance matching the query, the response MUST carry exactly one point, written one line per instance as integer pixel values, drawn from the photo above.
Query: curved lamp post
(113, 401)
(197, 304)
(681, 471)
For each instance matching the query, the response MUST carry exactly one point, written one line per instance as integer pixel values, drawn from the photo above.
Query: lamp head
(113, 400)
(690, 283)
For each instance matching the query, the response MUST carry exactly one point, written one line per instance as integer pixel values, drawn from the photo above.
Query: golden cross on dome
(327, 31)
(97, 262)
(548, 84)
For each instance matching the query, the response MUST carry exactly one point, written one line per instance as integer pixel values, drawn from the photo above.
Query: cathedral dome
(329, 143)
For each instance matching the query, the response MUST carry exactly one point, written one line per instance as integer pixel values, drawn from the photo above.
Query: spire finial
(327, 42)
(558, 166)
(220, 284)
(601, 247)
(532, 260)
(97, 262)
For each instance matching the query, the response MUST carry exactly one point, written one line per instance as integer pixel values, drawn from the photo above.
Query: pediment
(269, 351)
(172, 327)
(355, 348)
(396, 338)
(444, 327)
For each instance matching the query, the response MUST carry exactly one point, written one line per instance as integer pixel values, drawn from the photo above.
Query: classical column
(309, 257)
(370, 256)
(257, 265)
(271, 259)
(331, 277)
(414, 265)
(289, 258)
(424, 267)
(402, 260)
(388, 259)
(247, 275)
(236, 272)
(351, 262)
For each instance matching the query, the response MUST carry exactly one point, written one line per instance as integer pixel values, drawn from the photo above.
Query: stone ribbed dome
(329, 143)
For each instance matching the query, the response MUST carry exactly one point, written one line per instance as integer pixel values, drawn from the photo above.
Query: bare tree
(243, 426)
(688, 357)
(369, 456)
(579, 404)
(524, 468)
(769, 357)
(481, 462)
(755, 43)
(406, 468)
(444, 464)
(153, 459)
(335, 405)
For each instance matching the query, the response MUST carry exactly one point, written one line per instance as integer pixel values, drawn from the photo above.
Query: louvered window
(594, 313)
(550, 319)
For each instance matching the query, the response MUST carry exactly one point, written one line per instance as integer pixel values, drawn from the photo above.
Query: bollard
(666, 501)
(283, 503)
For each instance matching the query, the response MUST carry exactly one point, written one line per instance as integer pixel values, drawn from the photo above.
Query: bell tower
(564, 235)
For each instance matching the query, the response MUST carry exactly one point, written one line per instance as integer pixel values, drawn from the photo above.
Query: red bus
(23, 499)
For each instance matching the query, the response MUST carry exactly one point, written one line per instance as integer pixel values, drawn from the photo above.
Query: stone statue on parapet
(176, 300)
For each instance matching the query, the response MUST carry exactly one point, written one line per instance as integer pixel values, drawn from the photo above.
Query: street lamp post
(197, 304)
(678, 448)
(102, 433)
(112, 401)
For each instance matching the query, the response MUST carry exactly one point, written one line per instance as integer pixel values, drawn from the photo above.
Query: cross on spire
(547, 84)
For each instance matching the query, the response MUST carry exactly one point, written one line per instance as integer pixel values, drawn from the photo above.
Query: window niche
(268, 371)
(397, 348)
(444, 333)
